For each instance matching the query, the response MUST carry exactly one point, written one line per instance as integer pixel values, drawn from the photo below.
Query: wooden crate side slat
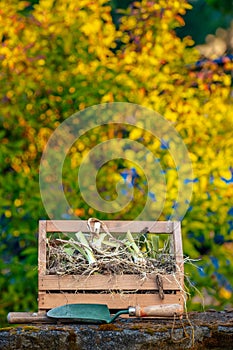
(113, 226)
(178, 241)
(102, 282)
(42, 248)
(114, 301)
(177, 237)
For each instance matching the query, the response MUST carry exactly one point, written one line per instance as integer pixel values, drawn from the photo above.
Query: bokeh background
(60, 56)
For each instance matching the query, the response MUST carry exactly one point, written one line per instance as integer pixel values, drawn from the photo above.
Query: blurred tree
(205, 18)
(226, 6)
(59, 57)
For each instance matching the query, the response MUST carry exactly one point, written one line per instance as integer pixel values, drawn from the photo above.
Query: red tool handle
(164, 310)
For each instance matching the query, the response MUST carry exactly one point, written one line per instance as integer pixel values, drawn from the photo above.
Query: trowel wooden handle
(27, 317)
(163, 310)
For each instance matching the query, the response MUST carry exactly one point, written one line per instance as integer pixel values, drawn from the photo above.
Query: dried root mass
(87, 254)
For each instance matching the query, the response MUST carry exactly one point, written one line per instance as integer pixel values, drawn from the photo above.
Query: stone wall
(199, 331)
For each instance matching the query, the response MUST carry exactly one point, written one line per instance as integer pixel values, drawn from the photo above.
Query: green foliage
(205, 18)
(64, 57)
(225, 6)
